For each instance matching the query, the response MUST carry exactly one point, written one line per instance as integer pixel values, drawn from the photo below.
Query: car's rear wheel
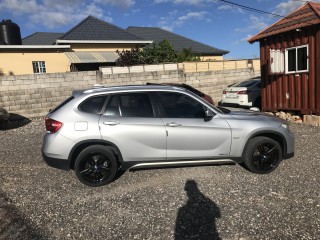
(262, 155)
(96, 166)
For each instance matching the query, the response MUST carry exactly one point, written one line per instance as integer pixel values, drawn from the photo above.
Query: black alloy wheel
(96, 166)
(263, 155)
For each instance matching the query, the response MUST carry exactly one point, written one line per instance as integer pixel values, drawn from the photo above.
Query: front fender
(239, 145)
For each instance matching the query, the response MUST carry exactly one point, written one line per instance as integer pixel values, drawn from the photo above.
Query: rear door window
(112, 109)
(130, 105)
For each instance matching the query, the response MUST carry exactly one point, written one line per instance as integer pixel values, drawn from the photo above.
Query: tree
(186, 55)
(129, 58)
(163, 52)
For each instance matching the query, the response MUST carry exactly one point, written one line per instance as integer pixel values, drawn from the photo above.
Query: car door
(131, 122)
(189, 136)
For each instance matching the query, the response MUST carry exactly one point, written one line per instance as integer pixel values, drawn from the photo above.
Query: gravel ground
(212, 202)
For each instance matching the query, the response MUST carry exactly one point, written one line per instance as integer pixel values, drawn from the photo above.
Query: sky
(213, 22)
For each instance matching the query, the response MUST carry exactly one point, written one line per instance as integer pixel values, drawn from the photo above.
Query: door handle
(173, 124)
(111, 123)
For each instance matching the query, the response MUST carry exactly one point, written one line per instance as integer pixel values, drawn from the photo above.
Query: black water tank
(9, 33)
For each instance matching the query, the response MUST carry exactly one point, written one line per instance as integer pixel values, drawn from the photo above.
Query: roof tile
(179, 42)
(41, 38)
(307, 15)
(92, 28)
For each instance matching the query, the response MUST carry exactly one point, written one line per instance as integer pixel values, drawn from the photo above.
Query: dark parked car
(188, 87)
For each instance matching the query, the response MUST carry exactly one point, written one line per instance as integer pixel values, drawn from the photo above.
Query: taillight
(243, 92)
(52, 126)
(224, 92)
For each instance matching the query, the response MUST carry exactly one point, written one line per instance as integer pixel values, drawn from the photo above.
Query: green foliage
(186, 55)
(154, 54)
(165, 52)
(129, 58)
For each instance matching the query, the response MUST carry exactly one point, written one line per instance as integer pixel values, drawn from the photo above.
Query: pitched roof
(92, 28)
(41, 38)
(306, 15)
(179, 42)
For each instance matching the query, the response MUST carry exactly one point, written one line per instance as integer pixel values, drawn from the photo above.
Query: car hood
(251, 115)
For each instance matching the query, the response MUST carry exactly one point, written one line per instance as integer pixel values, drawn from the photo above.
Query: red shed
(290, 62)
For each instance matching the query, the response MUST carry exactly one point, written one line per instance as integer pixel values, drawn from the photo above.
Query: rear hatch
(234, 92)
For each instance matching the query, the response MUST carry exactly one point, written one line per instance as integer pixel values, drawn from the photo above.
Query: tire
(96, 166)
(262, 155)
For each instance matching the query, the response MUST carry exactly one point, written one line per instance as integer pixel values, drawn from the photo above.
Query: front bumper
(290, 148)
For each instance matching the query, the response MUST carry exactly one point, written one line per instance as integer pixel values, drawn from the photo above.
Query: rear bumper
(240, 101)
(224, 104)
(56, 163)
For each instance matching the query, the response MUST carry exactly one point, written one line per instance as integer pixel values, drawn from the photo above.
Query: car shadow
(13, 225)
(14, 121)
(196, 219)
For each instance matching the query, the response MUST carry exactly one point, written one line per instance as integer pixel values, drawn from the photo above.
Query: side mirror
(208, 115)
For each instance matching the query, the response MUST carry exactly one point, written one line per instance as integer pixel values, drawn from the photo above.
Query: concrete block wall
(33, 95)
(141, 78)
(210, 82)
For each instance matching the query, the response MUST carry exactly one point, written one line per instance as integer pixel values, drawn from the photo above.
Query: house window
(276, 61)
(39, 67)
(297, 59)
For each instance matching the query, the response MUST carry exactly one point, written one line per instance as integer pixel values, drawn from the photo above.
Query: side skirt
(180, 163)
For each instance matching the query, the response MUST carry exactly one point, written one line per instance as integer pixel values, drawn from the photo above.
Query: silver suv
(99, 131)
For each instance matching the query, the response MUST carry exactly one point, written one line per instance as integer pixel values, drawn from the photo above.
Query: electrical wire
(251, 9)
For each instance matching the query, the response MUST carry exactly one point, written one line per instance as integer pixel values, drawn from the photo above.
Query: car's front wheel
(96, 166)
(262, 155)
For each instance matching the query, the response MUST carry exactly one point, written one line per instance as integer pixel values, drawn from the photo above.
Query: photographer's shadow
(196, 219)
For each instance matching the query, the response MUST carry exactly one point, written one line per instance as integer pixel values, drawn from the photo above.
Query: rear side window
(130, 105)
(62, 104)
(93, 105)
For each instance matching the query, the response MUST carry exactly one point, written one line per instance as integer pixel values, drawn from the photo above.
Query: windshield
(246, 83)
